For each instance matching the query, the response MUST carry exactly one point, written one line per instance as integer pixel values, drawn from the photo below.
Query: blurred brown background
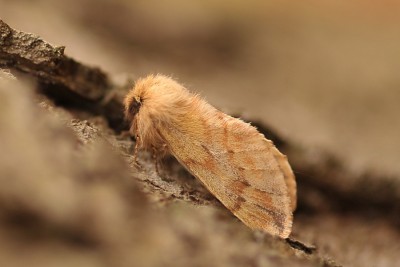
(322, 73)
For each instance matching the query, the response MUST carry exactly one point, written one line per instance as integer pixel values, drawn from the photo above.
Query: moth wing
(239, 166)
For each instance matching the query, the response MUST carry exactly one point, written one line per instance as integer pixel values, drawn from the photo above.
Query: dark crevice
(358, 200)
(68, 99)
(300, 246)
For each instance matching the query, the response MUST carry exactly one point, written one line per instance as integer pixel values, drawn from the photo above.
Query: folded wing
(239, 166)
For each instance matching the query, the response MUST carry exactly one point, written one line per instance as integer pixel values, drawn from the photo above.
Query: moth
(235, 162)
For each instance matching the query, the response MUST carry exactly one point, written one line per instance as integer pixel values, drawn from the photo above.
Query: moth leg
(135, 152)
(158, 153)
(164, 148)
(125, 134)
(156, 159)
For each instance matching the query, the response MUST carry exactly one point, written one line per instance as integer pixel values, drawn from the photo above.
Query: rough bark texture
(70, 190)
(62, 77)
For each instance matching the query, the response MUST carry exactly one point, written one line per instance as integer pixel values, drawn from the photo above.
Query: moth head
(155, 99)
(132, 103)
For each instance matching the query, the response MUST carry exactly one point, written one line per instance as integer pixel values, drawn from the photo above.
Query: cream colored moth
(235, 162)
